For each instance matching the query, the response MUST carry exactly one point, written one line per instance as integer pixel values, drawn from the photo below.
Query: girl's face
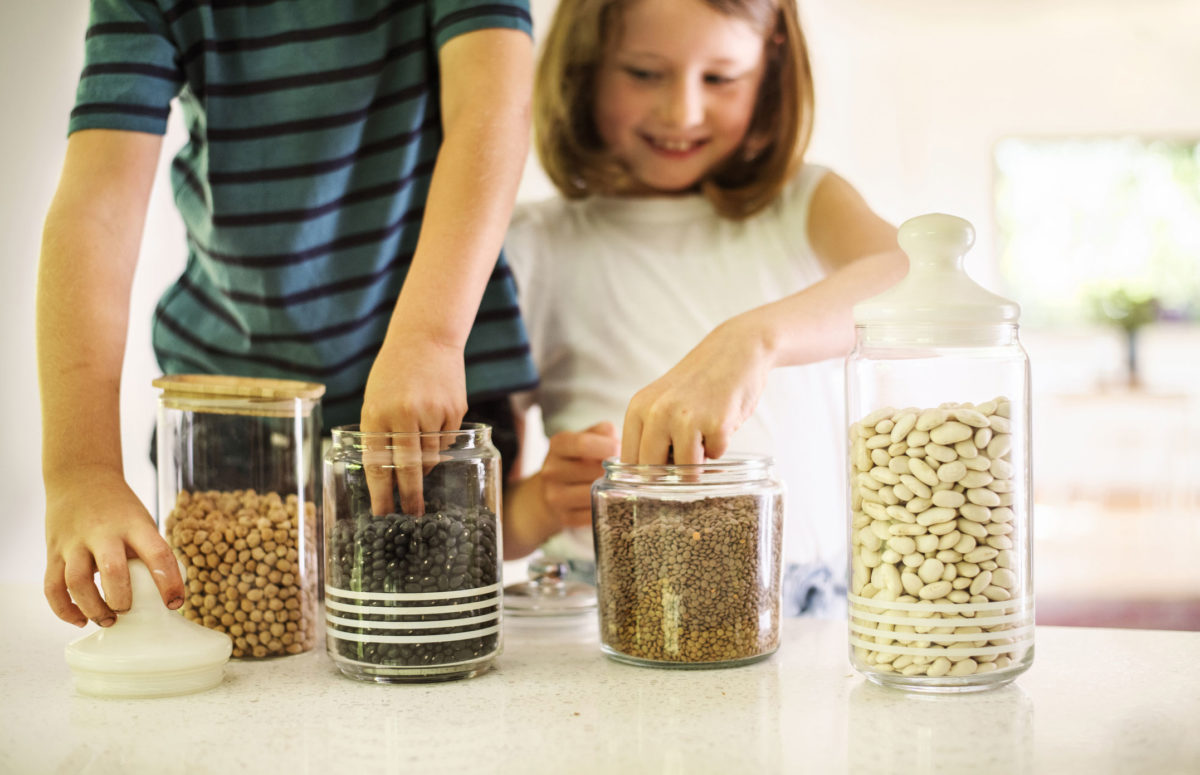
(676, 90)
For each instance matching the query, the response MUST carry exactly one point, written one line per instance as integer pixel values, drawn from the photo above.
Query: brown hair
(569, 145)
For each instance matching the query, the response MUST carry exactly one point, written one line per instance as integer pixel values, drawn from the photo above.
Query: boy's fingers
(55, 589)
(79, 574)
(406, 457)
(163, 566)
(114, 576)
(377, 470)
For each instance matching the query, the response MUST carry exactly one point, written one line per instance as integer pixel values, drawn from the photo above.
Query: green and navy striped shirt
(313, 128)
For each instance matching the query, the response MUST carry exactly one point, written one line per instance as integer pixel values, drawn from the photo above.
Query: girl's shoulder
(797, 193)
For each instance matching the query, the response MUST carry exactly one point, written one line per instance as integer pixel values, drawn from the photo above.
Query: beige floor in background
(1121, 561)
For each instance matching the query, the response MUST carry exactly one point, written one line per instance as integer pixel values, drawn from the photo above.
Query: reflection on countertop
(1095, 701)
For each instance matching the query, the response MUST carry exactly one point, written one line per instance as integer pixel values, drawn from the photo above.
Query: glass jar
(941, 573)
(688, 561)
(412, 554)
(237, 497)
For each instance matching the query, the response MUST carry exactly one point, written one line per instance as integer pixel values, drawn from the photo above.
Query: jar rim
(472, 430)
(734, 466)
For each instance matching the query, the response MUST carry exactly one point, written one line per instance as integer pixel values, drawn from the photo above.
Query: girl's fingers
(578, 517)
(654, 446)
(687, 445)
(631, 437)
(567, 470)
(569, 497)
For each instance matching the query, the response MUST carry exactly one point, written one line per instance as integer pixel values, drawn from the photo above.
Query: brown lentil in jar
(250, 561)
(689, 581)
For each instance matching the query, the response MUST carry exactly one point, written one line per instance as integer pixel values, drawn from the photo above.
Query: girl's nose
(682, 104)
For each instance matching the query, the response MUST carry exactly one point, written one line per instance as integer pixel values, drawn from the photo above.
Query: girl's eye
(639, 74)
(714, 79)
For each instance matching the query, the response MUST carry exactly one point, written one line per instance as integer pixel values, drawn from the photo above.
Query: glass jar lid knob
(937, 289)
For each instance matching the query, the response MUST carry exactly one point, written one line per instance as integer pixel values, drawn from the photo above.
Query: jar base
(945, 685)
(617, 656)
(391, 674)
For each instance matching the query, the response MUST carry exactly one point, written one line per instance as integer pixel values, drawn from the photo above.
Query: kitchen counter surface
(1095, 701)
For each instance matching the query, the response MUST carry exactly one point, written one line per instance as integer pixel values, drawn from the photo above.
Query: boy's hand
(415, 385)
(691, 412)
(573, 463)
(96, 523)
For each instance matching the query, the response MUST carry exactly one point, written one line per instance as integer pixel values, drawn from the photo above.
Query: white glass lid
(936, 289)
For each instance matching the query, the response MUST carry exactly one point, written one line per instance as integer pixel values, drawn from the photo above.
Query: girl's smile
(676, 91)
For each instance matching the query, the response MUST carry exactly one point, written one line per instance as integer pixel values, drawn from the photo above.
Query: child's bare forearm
(89, 251)
(485, 111)
(527, 520)
(817, 323)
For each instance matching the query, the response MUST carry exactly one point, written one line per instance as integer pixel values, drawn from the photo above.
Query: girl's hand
(96, 523)
(572, 464)
(691, 412)
(415, 384)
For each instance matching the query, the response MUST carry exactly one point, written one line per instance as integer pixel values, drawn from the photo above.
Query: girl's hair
(570, 147)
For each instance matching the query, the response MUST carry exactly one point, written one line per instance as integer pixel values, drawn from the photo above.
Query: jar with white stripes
(412, 554)
(940, 529)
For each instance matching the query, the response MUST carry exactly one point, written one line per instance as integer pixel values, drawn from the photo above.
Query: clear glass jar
(688, 561)
(412, 589)
(941, 573)
(238, 497)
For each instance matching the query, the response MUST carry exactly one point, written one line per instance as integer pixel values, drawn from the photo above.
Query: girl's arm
(693, 410)
(417, 381)
(90, 246)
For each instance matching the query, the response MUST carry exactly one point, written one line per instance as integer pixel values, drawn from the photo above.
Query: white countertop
(1095, 701)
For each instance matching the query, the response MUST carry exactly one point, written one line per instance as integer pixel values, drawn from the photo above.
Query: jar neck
(936, 335)
(728, 470)
(468, 436)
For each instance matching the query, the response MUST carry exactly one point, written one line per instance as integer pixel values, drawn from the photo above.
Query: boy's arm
(417, 381)
(90, 246)
(694, 409)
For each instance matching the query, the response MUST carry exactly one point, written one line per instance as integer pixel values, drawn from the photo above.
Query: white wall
(911, 97)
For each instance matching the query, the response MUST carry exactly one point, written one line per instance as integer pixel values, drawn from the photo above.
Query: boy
(348, 177)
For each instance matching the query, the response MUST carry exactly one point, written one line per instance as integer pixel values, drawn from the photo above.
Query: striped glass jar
(412, 554)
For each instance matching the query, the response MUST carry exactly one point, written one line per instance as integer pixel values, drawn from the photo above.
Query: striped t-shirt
(313, 127)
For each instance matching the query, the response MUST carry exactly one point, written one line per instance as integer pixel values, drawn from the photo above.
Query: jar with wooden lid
(238, 497)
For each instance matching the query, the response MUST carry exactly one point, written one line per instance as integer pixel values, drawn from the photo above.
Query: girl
(690, 232)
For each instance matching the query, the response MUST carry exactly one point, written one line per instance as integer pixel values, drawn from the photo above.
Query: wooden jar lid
(225, 394)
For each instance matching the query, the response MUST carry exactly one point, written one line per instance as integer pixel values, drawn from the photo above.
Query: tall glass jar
(237, 497)
(941, 572)
(688, 561)
(412, 554)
